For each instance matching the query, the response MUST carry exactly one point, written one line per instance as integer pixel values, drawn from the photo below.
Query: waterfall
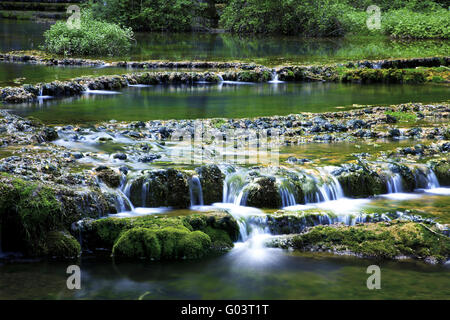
(275, 77)
(432, 181)
(327, 191)
(145, 190)
(287, 196)
(233, 188)
(195, 190)
(394, 184)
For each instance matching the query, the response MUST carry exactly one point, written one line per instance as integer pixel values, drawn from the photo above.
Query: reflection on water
(25, 35)
(224, 100)
(282, 276)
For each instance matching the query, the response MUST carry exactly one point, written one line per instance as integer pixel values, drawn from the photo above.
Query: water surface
(270, 50)
(224, 100)
(275, 275)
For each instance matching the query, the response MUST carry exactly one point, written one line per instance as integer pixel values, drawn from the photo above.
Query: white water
(275, 78)
(196, 192)
(41, 95)
(89, 91)
(394, 183)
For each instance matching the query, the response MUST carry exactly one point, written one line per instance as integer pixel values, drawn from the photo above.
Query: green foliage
(149, 15)
(404, 23)
(317, 18)
(94, 37)
(400, 19)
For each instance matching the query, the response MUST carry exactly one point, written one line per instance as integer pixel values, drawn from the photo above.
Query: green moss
(442, 171)
(219, 238)
(138, 243)
(28, 212)
(62, 245)
(170, 239)
(402, 116)
(379, 240)
(218, 123)
(173, 234)
(361, 184)
(195, 245)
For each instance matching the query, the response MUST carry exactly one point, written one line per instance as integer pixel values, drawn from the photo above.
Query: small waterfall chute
(196, 192)
(395, 183)
(275, 77)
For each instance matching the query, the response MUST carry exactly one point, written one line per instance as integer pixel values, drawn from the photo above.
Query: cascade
(287, 196)
(394, 183)
(275, 77)
(327, 191)
(195, 190)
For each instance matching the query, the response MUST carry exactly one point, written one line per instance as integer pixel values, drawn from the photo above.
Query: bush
(149, 15)
(406, 23)
(319, 18)
(94, 37)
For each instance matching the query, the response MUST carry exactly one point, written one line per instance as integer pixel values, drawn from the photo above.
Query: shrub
(320, 18)
(94, 37)
(149, 15)
(406, 23)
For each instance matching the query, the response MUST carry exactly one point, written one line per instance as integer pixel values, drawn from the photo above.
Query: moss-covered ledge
(384, 240)
(160, 237)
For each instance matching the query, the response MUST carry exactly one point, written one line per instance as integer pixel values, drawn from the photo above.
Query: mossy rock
(377, 240)
(211, 179)
(408, 179)
(62, 245)
(110, 177)
(442, 171)
(162, 244)
(195, 245)
(138, 243)
(263, 193)
(290, 222)
(106, 233)
(165, 188)
(361, 183)
(28, 211)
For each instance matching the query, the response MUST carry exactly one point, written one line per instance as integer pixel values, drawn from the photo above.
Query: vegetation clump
(92, 38)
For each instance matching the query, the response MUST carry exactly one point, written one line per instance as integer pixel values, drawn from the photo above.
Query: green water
(230, 101)
(16, 74)
(234, 276)
(270, 50)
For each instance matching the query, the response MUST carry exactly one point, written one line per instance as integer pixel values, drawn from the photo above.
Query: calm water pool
(230, 101)
(25, 35)
(274, 274)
